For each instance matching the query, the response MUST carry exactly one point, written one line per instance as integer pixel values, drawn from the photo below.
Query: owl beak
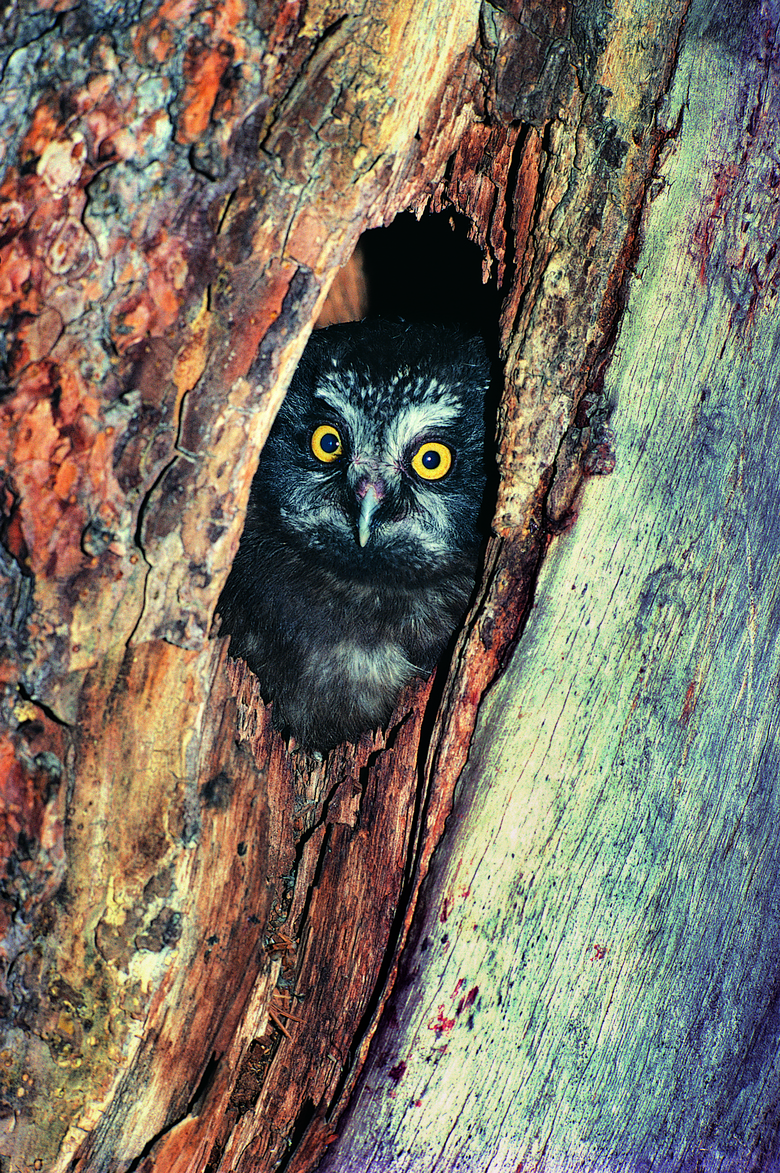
(368, 508)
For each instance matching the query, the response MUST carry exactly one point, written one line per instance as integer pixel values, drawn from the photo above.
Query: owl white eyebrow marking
(329, 392)
(418, 418)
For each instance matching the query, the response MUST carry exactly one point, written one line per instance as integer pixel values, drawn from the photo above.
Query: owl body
(362, 535)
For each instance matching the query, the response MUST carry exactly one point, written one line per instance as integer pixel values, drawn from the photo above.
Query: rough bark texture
(593, 982)
(200, 929)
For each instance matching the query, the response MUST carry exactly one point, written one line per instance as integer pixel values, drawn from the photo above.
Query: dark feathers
(361, 540)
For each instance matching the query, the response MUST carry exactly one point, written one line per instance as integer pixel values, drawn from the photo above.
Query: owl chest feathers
(369, 635)
(334, 653)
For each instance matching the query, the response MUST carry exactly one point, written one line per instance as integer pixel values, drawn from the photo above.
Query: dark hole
(428, 270)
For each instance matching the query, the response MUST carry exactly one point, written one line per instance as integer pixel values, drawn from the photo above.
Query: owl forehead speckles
(362, 536)
(387, 416)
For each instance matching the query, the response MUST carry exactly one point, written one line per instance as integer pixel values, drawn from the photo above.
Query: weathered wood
(202, 929)
(181, 188)
(340, 839)
(593, 982)
(152, 824)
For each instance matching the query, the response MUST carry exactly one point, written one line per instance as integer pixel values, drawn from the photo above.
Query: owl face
(376, 462)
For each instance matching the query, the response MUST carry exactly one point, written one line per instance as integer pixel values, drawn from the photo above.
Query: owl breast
(362, 535)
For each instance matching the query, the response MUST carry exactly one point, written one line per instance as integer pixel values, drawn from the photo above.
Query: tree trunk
(201, 929)
(593, 981)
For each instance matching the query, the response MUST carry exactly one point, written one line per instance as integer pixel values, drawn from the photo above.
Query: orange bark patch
(205, 68)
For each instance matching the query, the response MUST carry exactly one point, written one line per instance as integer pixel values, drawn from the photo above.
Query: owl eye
(432, 461)
(326, 443)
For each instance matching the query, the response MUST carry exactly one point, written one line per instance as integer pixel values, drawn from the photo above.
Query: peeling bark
(201, 930)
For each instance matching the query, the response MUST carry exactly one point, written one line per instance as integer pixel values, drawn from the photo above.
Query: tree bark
(593, 982)
(201, 930)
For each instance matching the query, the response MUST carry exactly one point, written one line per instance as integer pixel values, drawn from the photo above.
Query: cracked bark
(201, 931)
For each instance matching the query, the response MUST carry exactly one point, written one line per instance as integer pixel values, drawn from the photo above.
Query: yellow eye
(326, 443)
(432, 461)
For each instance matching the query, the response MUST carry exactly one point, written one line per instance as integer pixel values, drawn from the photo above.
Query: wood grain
(201, 929)
(594, 976)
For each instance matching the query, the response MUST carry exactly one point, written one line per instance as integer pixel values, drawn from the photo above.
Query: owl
(362, 535)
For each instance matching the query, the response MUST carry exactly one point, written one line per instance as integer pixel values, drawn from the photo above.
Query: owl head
(376, 461)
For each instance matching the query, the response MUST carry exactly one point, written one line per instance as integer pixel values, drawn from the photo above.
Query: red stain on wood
(441, 1024)
(689, 704)
(467, 1000)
